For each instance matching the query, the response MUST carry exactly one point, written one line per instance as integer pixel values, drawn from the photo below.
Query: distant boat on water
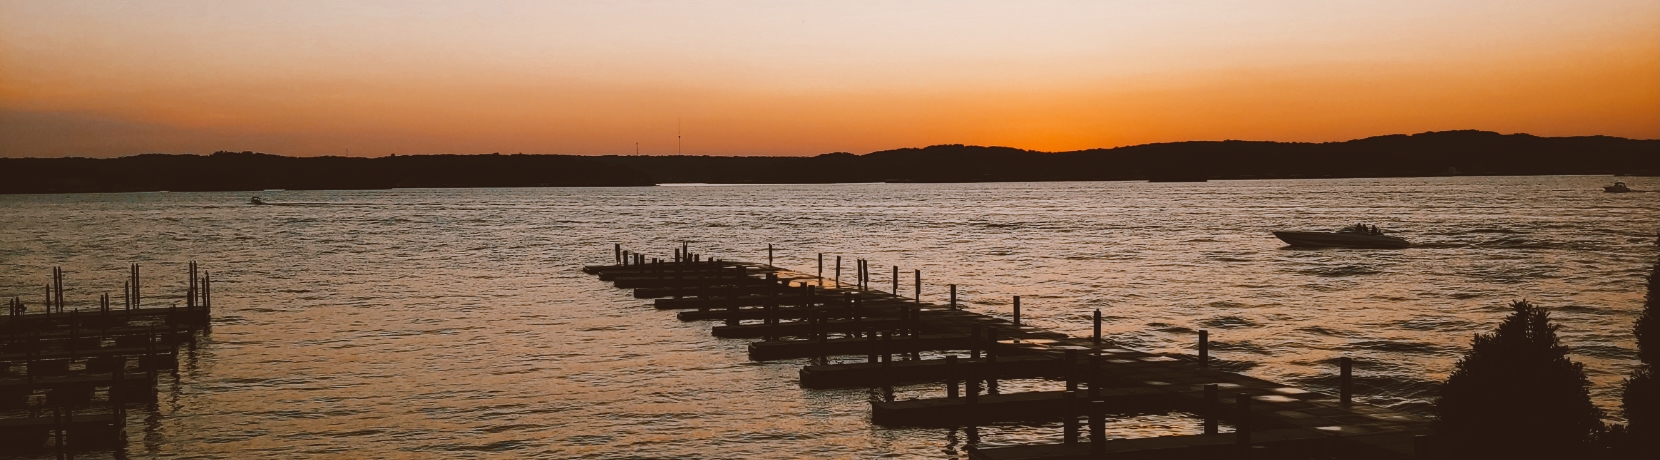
(1618, 187)
(1356, 236)
(255, 200)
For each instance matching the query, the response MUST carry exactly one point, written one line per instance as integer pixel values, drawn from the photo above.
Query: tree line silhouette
(1425, 154)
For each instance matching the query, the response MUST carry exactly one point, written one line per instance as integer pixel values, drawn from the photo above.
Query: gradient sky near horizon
(370, 78)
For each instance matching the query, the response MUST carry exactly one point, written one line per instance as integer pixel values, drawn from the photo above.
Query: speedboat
(1358, 236)
(255, 200)
(1618, 187)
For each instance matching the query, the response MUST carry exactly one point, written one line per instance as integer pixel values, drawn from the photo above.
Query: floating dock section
(68, 373)
(799, 315)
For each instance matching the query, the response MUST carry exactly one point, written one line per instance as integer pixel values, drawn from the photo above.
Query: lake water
(456, 323)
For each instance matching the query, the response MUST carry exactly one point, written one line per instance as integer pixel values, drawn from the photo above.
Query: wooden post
(1097, 327)
(1016, 311)
(896, 281)
(838, 272)
(616, 249)
(1071, 358)
(1204, 348)
(57, 429)
(887, 349)
(1069, 417)
(1345, 381)
(858, 306)
(919, 286)
(1210, 408)
(1098, 427)
(991, 361)
(871, 348)
(1094, 375)
(769, 254)
(732, 309)
(1242, 422)
(859, 274)
(953, 297)
(973, 387)
(821, 268)
(852, 315)
(951, 376)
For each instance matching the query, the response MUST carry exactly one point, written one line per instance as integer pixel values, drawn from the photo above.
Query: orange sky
(802, 78)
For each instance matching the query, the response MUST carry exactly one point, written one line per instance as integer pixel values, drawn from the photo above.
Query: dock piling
(1098, 427)
(1071, 358)
(991, 361)
(1345, 381)
(887, 350)
(616, 249)
(1095, 374)
(821, 268)
(1204, 348)
(871, 352)
(769, 255)
(919, 286)
(838, 272)
(1016, 311)
(951, 376)
(953, 297)
(1097, 327)
(1210, 408)
(1069, 417)
(895, 281)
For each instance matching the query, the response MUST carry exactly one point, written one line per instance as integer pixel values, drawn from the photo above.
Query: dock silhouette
(799, 315)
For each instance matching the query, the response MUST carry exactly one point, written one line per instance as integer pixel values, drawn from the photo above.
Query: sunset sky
(366, 78)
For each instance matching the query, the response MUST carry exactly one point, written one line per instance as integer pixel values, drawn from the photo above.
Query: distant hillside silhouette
(1426, 154)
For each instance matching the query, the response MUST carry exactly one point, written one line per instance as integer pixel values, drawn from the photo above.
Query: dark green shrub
(1517, 395)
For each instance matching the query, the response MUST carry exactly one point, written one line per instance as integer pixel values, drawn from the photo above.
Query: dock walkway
(806, 316)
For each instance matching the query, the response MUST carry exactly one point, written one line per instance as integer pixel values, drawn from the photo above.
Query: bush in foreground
(1517, 395)
(1641, 401)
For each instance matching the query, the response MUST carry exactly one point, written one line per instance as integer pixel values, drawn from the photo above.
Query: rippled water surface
(456, 323)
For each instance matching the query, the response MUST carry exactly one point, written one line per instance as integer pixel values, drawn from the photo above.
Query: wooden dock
(68, 373)
(808, 316)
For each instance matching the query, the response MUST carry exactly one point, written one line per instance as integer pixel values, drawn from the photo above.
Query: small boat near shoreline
(1357, 236)
(1618, 187)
